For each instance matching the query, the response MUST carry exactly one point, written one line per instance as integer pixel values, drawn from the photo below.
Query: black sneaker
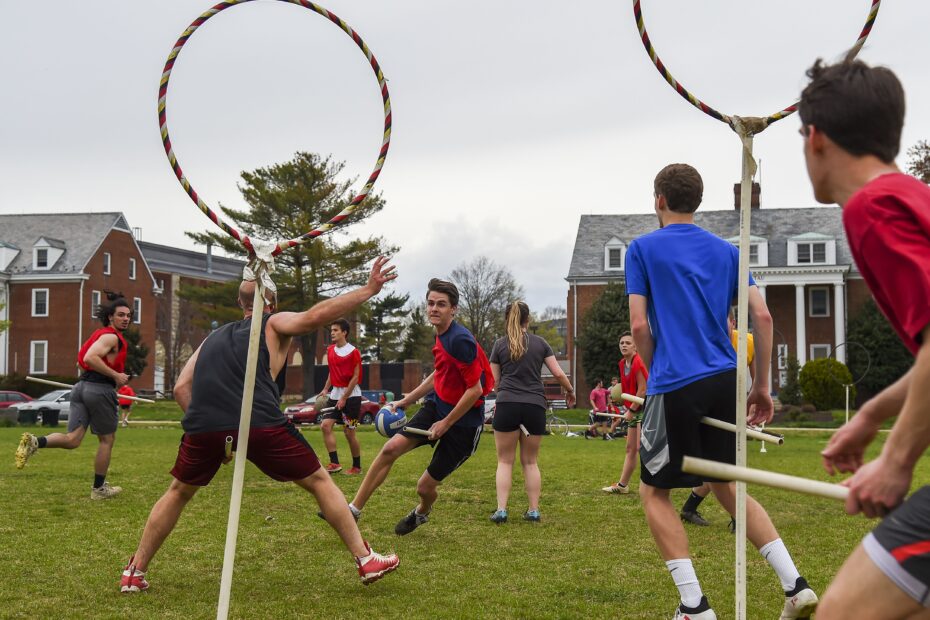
(693, 516)
(409, 523)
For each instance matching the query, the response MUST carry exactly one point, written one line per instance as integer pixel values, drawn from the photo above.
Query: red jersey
(459, 363)
(628, 380)
(888, 229)
(342, 367)
(125, 391)
(119, 360)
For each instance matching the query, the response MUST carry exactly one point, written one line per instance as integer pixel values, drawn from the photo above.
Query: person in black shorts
(681, 281)
(453, 412)
(209, 391)
(344, 396)
(516, 362)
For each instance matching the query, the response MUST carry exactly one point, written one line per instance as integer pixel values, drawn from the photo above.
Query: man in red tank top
(93, 399)
(345, 396)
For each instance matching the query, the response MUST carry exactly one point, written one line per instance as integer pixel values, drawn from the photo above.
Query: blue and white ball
(388, 423)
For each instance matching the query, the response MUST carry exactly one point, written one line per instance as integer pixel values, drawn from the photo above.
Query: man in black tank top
(209, 391)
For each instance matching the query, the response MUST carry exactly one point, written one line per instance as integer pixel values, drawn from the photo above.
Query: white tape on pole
(725, 471)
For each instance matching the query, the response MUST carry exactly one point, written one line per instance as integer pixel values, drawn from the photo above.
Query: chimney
(209, 257)
(137, 233)
(754, 199)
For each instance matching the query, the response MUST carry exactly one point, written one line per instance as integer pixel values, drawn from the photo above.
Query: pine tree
(419, 338)
(384, 327)
(608, 317)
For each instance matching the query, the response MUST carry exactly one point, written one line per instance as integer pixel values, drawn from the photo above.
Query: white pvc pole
(69, 386)
(725, 471)
(416, 431)
(847, 403)
(742, 325)
(245, 420)
(750, 432)
(632, 399)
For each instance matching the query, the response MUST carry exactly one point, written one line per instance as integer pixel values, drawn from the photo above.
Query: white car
(56, 399)
(490, 405)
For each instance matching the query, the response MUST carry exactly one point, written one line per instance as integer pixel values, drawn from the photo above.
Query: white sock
(776, 554)
(686, 581)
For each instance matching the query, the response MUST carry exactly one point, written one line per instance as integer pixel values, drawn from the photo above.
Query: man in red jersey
(633, 376)
(453, 411)
(344, 394)
(93, 398)
(852, 116)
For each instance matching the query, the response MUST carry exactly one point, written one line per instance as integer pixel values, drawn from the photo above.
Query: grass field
(591, 557)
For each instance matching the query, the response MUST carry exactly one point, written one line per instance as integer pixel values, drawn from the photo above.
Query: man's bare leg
(164, 516)
(397, 446)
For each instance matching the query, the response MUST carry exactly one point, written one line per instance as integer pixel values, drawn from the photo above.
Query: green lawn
(591, 557)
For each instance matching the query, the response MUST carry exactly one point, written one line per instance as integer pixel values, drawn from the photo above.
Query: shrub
(790, 393)
(793, 413)
(822, 383)
(808, 408)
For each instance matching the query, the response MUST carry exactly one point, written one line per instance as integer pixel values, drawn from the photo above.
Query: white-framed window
(782, 378)
(132, 269)
(754, 254)
(782, 354)
(820, 351)
(812, 253)
(41, 258)
(40, 302)
(614, 255)
(758, 250)
(38, 357)
(106, 263)
(818, 301)
(136, 310)
(94, 302)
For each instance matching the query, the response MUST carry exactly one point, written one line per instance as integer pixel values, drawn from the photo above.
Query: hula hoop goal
(185, 183)
(706, 109)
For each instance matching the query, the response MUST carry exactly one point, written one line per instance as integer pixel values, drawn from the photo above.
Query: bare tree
(485, 290)
(918, 162)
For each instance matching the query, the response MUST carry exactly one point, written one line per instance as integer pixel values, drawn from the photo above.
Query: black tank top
(218, 378)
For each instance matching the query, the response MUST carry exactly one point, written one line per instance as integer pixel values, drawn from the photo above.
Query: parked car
(490, 405)
(56, 399)
(306, 413)
(8, 398)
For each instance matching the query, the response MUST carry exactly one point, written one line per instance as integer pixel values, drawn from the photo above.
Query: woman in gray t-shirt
(516, 361)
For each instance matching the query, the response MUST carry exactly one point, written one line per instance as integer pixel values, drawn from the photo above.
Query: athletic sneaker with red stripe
(374, 566)
(334, 468)
(133, 580)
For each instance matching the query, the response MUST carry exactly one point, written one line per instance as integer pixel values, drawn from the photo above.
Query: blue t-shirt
(690, 278)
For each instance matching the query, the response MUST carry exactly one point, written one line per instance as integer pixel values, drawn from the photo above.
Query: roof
(84, 233)
(189, 263)
(774, 225)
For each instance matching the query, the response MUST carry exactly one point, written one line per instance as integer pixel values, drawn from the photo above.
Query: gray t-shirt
(521, 381)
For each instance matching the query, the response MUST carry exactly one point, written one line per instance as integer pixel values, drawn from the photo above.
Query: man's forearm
(466, 402)
(419, 392)
(645, 345)
(911, 433)
(98, 365)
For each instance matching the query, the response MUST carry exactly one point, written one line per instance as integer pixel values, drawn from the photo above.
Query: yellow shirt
(750, 345)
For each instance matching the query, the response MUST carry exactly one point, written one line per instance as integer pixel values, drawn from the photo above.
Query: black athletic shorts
(672, 428)
(351, 412)
(900, 546)
(452, 449)
(509, 416)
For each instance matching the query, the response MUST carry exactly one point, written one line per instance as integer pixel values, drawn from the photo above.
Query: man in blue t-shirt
(681, 281)
(453, 411)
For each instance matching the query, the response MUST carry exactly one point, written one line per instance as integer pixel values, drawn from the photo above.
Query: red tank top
(119, 360)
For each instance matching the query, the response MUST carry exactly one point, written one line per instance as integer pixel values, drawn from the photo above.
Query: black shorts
(454, 447)
(350, 413)
(672, 428)
(900, 546)
(509, 416)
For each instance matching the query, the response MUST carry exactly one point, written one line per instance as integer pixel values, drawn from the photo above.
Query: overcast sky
(511, 119)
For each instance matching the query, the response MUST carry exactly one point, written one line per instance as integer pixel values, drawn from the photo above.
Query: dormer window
(46, 252)
(41, 258)
(614, 255)
(811, 249)
(758, 250)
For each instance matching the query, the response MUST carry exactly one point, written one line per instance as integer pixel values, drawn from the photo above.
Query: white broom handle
(416, 431)
(750, 432)
(632, 398)
(66, 385)
(725, 471)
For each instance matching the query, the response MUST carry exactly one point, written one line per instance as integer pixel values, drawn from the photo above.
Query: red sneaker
(334, 468)
(352, 471)
(375, 566)
(133, 580)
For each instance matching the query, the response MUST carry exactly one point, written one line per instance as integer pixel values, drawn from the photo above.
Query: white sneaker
(707, 614)
(28, 444)
(801, 605)
(105, 492)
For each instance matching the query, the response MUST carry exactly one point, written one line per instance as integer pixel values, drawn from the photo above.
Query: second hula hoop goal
(185, 183)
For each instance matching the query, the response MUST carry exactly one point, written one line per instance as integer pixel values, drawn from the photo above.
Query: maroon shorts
(280, 452)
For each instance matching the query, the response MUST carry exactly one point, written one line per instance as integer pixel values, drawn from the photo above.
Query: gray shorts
(94, 405)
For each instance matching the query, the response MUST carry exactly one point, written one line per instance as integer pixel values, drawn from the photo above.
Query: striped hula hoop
(172, 159)
(706, 109)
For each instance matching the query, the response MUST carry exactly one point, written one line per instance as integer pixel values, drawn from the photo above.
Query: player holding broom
(852, 116)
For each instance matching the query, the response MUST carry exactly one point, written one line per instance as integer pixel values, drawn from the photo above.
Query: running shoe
(333, 468)
(133, 580)
(409, 523)
(28, 444)
(499, 516)
(105, 491)
(375, 566)
(532, 515)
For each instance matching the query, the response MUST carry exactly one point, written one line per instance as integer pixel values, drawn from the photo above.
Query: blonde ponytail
(518, 315)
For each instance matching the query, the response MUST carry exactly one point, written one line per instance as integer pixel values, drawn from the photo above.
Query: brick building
(799, 259)
(54, 271)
